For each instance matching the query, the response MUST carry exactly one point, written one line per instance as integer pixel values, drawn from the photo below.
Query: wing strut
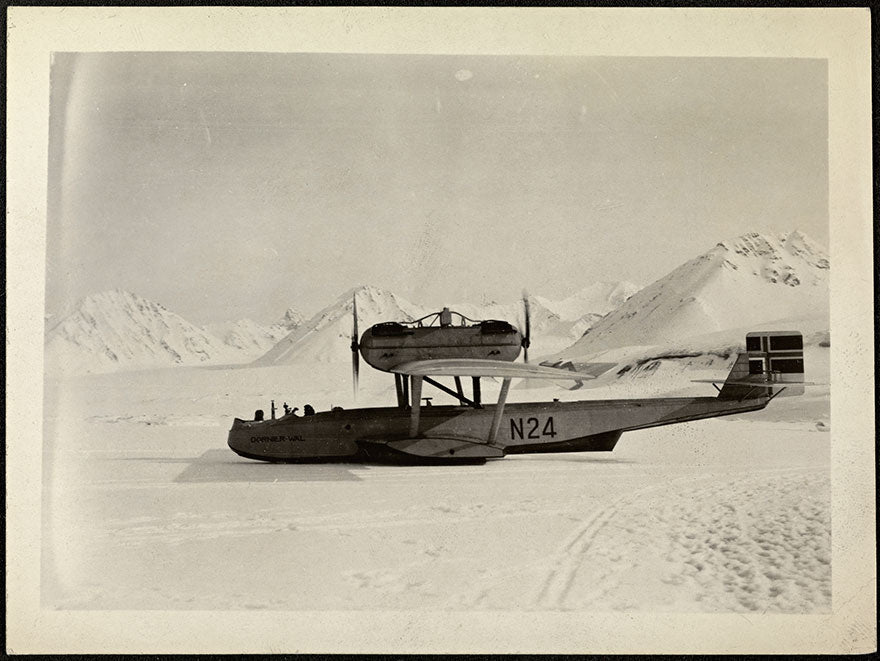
(458, 395)
(499, 409)
(477, 396)
(416, 406)
(399, 383)
(458, 387)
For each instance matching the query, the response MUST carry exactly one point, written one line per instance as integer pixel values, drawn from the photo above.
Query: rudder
(773, 364)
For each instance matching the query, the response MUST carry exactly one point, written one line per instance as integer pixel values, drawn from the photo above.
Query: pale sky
(229, 185)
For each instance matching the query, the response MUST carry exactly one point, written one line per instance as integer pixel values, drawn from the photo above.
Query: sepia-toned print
(394, 330)
(232, 236)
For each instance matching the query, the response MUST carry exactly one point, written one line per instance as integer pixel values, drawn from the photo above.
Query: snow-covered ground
(146, 508)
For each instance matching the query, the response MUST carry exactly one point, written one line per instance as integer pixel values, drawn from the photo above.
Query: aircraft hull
(453, 433)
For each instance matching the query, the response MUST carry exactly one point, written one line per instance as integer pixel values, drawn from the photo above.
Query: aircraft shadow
(570, 457)
(222, 466)
(219, 465)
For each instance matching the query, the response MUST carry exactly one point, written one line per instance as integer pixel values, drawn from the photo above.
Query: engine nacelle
(386, 345)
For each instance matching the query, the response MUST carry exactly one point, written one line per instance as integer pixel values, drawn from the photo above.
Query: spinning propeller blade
(526, 340)
(355, 358)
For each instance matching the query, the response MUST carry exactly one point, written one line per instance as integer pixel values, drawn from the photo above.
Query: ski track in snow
(738, 561)
(560, 577)
(713, 540)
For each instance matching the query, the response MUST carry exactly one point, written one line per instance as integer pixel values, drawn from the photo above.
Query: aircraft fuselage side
(443, 431)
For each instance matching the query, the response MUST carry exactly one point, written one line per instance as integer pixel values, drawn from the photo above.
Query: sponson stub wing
(487, 368)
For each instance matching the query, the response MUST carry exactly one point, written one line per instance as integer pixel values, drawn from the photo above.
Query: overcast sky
(231, 185)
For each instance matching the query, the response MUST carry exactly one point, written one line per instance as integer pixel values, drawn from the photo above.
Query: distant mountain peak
(365, 290)
(247, 336)
(117, 329)
(322, 337)
(117, 300)
(786, 258)
(777, 246)
(292, 319)
(596, 299)
(747, 280)
(371, 301)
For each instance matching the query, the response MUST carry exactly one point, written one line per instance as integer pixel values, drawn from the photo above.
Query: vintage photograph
(319, 258)
(437, 334)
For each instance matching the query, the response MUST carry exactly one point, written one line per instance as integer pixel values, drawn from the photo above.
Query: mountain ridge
(744, 280)
(747, 280)
(116, 329)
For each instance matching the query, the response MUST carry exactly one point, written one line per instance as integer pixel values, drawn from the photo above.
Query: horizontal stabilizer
(488, 368)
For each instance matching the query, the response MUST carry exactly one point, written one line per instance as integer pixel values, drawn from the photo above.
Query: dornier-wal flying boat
(448, 344)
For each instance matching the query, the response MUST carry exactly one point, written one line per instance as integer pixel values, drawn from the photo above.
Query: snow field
(718, 548)
(146, 508)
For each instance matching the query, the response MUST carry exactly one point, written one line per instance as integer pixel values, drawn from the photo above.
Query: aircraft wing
(595, 369)
(497, 368)
(759, 383)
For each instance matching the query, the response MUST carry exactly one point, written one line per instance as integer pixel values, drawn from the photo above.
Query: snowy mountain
(595, 300)
(292, 319)
(248, 337)
(748, 281)
(751, 281)
(327, 335)
(549, 331)
(116, 330)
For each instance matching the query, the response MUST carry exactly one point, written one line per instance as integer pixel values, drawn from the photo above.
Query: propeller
(355, 358)
(526, 340)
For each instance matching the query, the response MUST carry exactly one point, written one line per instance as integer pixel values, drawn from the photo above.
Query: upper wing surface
(496, 368)
(759, 383)
(593, 369)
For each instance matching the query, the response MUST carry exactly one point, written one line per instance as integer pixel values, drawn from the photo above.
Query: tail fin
(772, 365)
